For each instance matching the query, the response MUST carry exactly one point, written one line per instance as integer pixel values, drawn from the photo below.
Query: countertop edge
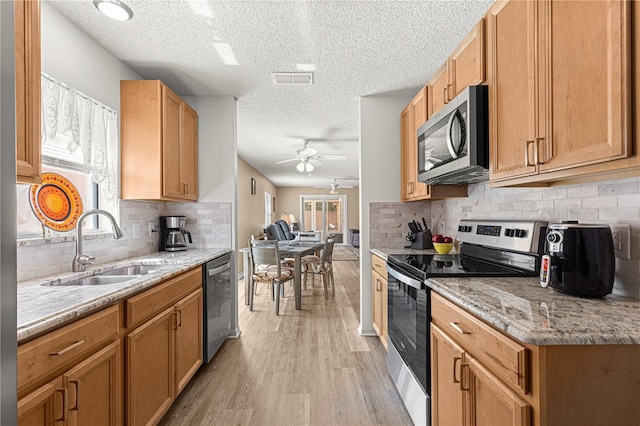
(35, 328)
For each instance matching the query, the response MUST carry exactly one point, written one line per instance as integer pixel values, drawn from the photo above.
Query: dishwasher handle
(215, 271)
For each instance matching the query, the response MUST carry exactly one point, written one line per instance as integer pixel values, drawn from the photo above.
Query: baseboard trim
(235, 333)
(366, 331)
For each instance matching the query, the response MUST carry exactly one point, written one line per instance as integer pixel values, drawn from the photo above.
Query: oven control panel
(523, 236)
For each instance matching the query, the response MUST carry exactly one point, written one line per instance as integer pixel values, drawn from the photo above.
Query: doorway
(325, 214)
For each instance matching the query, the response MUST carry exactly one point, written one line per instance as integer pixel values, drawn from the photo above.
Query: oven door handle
(407, 280)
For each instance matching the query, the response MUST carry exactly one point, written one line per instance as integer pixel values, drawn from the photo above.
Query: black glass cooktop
(423, 266)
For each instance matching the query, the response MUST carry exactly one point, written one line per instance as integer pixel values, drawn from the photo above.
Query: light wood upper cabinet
(159, 143)
(27, 77)
(465, 67)
(560, 97)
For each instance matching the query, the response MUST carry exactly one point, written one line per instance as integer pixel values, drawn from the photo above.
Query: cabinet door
(466, 65)
(188, 339)
(511, 55)
(420, 108)
(150, 369)
(172, 186)
(492, 403)
(376, 289)
(95, 389)
(189, 152)
(44, 406)
(406, 165)
(27, 78)
(439, 88)
(446, 370)
(584, 82)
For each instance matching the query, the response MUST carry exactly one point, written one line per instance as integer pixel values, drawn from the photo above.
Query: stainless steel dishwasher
(217, 304)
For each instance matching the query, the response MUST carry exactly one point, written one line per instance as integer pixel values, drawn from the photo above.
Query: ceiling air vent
(292, 77)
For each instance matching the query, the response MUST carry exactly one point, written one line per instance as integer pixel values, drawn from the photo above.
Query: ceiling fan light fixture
(114, 9)
(305, 167)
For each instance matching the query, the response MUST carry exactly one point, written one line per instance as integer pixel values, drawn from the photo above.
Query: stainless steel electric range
(489, 248)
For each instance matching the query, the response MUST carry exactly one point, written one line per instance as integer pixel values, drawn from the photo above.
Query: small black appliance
(579, 259)
(173, 236)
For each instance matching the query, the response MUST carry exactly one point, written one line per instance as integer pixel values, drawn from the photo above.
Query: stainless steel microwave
(453, 145)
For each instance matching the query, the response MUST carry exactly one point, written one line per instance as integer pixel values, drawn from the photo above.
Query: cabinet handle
(174, 326)
(179, 317)
(186, 185)
(68, 348)
(445, 95)
(457, 328)
(76, 384)
(455, 362)
(449, 92)
(377, 284)
(377, 265)
(526, 153)
(463, 367)
(411, 186)
(65, 404)
(536, 152)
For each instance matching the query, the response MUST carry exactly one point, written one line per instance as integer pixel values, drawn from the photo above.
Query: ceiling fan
(308, 157)
(334, 187)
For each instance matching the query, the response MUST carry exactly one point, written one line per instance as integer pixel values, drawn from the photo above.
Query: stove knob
(461, 228)
(520, 233)
(509, 232)
(468, 228)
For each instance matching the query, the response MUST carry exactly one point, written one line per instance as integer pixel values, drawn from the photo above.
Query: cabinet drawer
(379, 265)
(149, 303)
(47, 355)
(507, 359)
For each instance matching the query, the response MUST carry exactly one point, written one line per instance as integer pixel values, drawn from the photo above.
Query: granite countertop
(43, 307)
(540, 316)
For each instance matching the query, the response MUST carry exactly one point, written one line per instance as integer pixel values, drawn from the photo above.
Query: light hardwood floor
(307, 367)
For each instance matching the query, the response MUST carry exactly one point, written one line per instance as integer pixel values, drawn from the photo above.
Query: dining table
(295, 249)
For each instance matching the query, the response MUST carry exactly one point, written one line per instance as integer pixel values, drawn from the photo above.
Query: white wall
(379, 179)
(8, 304)
(76, 59)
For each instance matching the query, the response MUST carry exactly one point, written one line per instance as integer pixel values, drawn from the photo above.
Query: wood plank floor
(307, 367)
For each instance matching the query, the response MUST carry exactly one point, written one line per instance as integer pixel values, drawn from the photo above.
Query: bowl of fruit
(442, 244)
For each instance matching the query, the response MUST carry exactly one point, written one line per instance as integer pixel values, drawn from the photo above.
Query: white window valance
(78, 129)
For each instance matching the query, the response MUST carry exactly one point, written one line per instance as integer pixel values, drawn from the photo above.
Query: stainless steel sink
(94, 280)
(134, 270)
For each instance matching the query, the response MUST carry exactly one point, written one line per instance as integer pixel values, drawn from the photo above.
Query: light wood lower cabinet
(38, 407)
(90, 393)
(489, 401)
(481, 376)
(379, 297)
(162, 356)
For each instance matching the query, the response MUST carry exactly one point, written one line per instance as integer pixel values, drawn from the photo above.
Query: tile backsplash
(209, 224)
(616, 201)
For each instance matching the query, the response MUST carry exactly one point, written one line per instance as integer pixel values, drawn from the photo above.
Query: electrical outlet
(135, 230)
(152, 229)
(621, 240)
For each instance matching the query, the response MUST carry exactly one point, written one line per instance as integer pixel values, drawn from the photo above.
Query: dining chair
(267, 268)
(321, 265)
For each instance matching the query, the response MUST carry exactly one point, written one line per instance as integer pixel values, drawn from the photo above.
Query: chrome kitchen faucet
(80, 261)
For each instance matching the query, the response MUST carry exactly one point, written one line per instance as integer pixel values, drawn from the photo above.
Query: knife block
(422, 240)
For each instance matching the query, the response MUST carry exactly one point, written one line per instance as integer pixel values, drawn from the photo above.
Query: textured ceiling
(359, 48)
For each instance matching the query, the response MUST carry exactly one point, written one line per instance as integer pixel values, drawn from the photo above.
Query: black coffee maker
(173, 236)
(579, 259)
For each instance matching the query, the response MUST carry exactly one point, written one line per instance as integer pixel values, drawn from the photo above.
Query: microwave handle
(452, 150)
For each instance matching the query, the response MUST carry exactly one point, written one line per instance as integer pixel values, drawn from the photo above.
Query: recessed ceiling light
(114, 9)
